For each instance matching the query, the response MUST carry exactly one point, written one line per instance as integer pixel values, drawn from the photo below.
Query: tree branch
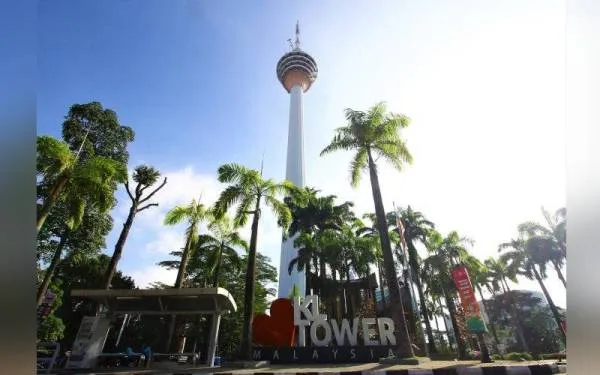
(128, 191)
(154, 191)
(146, 206)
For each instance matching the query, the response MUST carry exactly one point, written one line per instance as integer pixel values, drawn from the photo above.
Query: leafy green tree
(538, 322)
(96, 131)
(247, 190)
(526, 256)
(90, 131)
(500, 273)
(51, 328)
(375, 134)
(145, 177)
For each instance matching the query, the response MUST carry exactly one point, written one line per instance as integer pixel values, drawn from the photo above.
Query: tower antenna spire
(297, 42)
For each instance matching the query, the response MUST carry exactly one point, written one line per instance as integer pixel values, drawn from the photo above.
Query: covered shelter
(184, 301)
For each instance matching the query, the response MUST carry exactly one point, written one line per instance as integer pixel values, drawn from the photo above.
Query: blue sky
(483, 84)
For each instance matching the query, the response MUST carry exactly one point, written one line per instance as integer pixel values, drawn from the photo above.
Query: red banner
(469, 303)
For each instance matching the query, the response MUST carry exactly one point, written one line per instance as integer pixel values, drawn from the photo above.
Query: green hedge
(519, 357)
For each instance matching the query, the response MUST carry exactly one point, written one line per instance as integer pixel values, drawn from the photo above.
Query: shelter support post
(214, 335)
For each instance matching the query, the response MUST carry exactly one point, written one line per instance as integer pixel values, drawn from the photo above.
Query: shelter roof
(184, 301)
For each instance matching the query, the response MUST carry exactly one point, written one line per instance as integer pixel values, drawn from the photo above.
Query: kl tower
(296, 71)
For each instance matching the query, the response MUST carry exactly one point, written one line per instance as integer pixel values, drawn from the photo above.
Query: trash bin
(217, 361)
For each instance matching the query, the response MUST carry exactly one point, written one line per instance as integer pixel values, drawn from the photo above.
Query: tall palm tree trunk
(439, 302)
(458, 334)
(118, 252)
(516, 317)
(52, 268)
(559, 273)
(178, 284)
(404, 348)
(550, 303)
(50, 201)
(246, 344)
(424, 313)
(381, 284)
(218, 267)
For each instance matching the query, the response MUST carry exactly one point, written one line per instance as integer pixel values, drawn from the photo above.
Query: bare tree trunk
(116, 257)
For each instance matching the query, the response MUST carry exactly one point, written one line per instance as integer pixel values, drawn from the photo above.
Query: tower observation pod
(296, 70)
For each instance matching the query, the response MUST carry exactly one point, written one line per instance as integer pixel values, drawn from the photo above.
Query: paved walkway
(425, 368)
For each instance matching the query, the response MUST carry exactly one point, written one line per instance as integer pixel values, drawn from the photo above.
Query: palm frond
(232, 173)
(357, 166)
(282, 211)
(176, 215)
(340, 142)
(53, 156)
(228, 198)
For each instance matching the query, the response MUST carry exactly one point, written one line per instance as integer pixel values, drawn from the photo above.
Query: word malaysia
(332, 342)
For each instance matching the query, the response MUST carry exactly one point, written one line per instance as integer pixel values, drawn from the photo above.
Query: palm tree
(312, 215)
(445, 253)
(555, 238)
(73, 185)
(528, 259)
(417, 228)
(246, 190)
(77, 183)
(145, 177)
(221, 246)
(376, 134)
(500, 273)
(194, 213)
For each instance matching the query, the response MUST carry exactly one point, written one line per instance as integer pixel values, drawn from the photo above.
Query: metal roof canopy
(184, 301)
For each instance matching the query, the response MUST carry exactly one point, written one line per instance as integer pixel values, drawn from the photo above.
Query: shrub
(519, 357)
(497, 357)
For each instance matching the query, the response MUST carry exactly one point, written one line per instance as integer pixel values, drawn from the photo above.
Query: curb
(545, 369)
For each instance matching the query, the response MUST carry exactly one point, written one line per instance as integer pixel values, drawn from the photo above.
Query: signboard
(475, 323)
(89, 342)
(283, 335)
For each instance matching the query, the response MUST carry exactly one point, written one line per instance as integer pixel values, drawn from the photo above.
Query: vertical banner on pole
(475, 323)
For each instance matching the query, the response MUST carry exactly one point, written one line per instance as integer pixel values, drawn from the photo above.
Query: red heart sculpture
(276, 329)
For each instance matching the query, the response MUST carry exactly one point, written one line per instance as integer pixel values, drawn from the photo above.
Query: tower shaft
(294, 173)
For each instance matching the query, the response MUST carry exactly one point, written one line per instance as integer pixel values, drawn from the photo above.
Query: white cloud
(146, 275)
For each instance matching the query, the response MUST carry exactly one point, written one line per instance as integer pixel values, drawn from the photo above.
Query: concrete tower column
(296, 71)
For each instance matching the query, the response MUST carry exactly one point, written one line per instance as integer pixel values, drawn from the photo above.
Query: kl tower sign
(296, 70)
